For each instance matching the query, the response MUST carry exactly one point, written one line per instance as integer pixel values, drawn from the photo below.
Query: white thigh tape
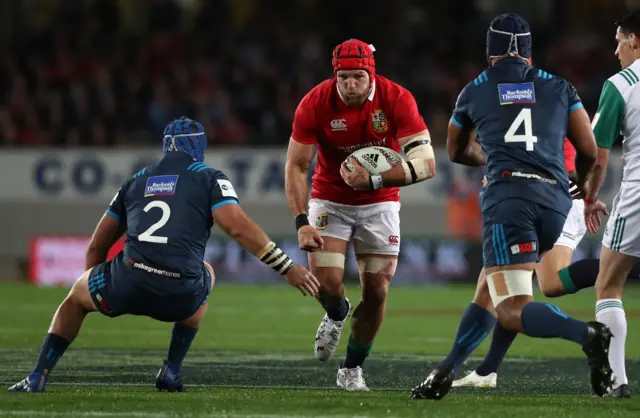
(327, 259)
(507, 283)
(377, 265)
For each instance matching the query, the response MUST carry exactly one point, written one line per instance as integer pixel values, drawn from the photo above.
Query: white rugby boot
(328, 335)
(351, 379)
(473, 379)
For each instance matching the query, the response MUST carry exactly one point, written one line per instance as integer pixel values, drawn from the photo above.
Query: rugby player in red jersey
(356, 108)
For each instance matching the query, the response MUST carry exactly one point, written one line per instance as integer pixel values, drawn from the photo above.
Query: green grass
(253, 357)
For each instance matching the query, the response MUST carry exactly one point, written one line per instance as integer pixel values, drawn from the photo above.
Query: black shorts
(119, 289)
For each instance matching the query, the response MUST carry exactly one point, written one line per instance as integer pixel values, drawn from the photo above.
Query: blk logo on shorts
(527, 247)
(394, 240)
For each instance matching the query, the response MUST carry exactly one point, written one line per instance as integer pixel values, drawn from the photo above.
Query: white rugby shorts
(374, 228)
(622, 233)
(574, 227)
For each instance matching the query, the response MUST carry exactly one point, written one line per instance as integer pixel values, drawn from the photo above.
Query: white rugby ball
(375, 160)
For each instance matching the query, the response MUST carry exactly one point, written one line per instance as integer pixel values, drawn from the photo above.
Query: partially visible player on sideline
(355, 109)
(618, 113)
(522, 116)
(167, 212)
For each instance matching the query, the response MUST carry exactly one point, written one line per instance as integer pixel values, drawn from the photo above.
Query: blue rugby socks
(544, 320)
(181, 339)
(53, 347)
(500, 342)
(356, 353)
(337, 308)
(475, 325)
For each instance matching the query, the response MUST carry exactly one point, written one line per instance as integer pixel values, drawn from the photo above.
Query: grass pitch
(253, 357)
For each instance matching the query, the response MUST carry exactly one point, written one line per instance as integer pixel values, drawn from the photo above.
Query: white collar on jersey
(370, 98)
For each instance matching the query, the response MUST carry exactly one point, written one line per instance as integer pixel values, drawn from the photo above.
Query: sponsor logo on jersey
(227, 188)
(529, 176)
(518, 93)
(379, 121)
(161, 185)
(526, 247)
(351, 148)
(322, 221)
(142, 266)
(339, 125)
(394, 240)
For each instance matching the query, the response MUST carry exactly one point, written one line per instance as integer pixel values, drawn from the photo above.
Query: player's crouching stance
(167, 212)
(522, 117)
(353, 110)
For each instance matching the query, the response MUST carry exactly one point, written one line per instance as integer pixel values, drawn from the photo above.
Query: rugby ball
(375, 160)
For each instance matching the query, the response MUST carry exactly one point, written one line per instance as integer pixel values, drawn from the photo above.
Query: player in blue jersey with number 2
(522, 116)
(166, 212)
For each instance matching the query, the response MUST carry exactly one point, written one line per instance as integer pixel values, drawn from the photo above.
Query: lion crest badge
(379, 121)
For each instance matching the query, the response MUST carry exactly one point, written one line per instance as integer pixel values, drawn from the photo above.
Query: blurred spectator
(114, 72)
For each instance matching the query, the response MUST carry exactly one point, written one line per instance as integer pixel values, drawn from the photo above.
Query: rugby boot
(168, 380)
(351, 379)
(596, 347)
(33, 383)
(435, 386)
(328, 336)
(621, 391)
(474, 380)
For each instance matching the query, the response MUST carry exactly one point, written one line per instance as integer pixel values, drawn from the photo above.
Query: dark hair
(630, 23)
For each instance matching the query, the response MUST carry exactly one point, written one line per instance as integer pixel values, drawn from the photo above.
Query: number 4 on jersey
(528, 138)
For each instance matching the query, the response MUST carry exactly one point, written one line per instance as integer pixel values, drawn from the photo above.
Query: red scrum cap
(354, 55)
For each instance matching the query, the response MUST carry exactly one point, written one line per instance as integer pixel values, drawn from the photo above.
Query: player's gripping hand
(301, 278)
(592, 213)
(309, 239)
(357, 177)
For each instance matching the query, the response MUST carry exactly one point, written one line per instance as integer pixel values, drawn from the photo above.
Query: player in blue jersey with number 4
(167, 212)
(522, 116)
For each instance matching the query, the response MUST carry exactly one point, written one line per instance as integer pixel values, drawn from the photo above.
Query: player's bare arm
(107, 232)
(299, 158)
(581, 137)
(233, 221)
(462, 146)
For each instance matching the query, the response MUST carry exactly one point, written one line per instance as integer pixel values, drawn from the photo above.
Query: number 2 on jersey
(528, 138)
(147, 236)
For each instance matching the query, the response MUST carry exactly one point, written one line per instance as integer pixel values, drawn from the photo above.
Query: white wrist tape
(418, 152)
(275, 258)
(376, 182)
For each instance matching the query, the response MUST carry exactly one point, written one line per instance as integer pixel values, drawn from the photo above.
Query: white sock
(610, 313)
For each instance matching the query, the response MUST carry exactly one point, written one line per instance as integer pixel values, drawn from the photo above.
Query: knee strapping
(328, 259)
(377, 265)
(507, 283)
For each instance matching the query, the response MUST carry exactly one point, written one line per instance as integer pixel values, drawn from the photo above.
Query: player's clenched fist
(309, 239)
(301, 278)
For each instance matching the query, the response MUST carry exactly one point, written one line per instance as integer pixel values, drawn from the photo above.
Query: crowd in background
(113, 72)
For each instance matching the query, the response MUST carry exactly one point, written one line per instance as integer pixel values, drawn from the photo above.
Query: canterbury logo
(371, 159)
